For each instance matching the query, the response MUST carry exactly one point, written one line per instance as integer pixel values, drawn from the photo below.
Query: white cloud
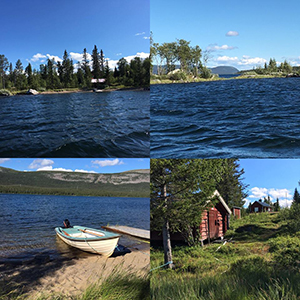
(3, 160)
(50, 168)
(232, 33)
(113, 63)
(76, 56)
(280, 193)
(107, 162)
(227, 59)
(146, 37)
(119, 54)
(142, 55)
(41, 163)
(56, 58)
(79, 56)
(223, 47)
(258, 192)
(37, 57)
(84, 171)
(285, 202)
(140, 33)
(246, 60)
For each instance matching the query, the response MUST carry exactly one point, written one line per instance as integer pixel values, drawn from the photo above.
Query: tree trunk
(166, 235)
(167, 244)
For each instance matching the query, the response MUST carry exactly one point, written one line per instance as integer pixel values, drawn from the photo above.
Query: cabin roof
(262, 204)
(216, 193)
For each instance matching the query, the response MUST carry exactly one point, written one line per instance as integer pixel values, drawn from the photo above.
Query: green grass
(261, 262)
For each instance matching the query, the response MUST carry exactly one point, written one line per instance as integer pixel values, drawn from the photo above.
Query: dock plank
(136, 232)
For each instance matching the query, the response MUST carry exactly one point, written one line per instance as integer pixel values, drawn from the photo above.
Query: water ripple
(76, 125)
(234, 118)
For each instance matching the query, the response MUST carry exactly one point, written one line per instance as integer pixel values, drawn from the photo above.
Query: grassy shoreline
(70, 90)
(215, 78)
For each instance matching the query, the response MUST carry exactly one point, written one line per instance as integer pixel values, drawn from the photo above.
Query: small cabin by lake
(259, 206)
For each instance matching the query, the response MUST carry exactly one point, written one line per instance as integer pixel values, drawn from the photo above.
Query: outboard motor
(67, 223)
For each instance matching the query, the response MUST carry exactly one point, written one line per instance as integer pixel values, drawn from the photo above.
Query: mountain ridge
(133, 183)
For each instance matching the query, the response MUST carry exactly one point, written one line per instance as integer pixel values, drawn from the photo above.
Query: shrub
(177, 76)
(286, 251)
(5, 92)
(206, 73)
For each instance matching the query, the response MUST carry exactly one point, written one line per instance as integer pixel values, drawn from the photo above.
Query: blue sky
(242, 34)
(274, 177)
(34, 30)
(96, 165)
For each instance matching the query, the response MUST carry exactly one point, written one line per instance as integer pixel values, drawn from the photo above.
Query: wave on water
(112, 124)
(234, 118)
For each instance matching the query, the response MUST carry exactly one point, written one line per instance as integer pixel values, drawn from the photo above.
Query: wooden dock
(136, 232)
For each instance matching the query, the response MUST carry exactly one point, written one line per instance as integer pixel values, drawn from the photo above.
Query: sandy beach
(71, 276)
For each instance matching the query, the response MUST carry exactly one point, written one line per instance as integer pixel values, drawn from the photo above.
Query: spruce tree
(296, 198)
(28, 71)
(86, 69)
(96, 64)
(231, 185)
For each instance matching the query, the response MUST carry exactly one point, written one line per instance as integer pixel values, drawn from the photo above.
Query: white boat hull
(103, 247)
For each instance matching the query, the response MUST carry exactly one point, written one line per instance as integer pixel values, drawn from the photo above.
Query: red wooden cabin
(215, 222)
(259, 206)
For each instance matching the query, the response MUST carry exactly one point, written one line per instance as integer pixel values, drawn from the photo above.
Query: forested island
(180, 62)
(64, 75)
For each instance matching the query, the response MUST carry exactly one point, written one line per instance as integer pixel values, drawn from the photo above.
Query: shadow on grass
(255, 233)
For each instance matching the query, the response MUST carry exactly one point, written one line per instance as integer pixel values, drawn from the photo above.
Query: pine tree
(28, 71)
(276, 205)
(107, 73)
(176, 201)
(96, 64)
(231, 185)
(86, 69)
(296, 198)
(20, 77)
(3, 68)
(66, 70)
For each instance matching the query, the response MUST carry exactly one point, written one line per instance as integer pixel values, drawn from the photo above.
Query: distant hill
(224, 70)
(133, 183)
(221, 70)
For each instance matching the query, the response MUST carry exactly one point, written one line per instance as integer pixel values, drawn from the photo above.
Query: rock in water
(32, 92)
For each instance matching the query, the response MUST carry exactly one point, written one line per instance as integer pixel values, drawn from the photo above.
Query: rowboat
(89, 239)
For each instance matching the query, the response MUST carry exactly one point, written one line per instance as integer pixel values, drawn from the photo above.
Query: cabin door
(213, 224)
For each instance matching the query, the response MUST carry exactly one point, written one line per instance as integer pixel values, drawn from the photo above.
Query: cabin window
(255, 209)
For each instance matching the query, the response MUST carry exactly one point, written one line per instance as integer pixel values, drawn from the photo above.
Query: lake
(247, 118)
(108, 124)
(27, 222)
